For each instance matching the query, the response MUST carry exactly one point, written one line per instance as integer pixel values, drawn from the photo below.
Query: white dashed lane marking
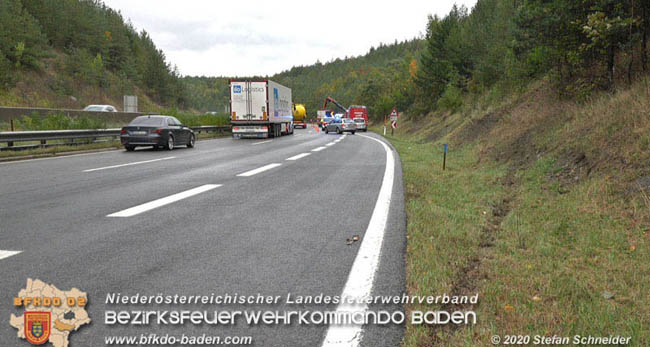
(128, 164)
(7, 254)
(258, 170)
(296, 157)
(163, 201)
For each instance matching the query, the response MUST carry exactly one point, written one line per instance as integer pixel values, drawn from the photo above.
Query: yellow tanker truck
(299, 116)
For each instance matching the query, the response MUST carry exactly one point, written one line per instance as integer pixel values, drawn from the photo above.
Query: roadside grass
(543, 211)
(54, 150)
(565, 264)
(56, 122)
(446, 212)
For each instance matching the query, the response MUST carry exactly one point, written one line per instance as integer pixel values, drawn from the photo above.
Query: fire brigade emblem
(37, 327)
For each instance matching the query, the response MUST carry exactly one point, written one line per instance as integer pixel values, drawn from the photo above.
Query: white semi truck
(260, 109)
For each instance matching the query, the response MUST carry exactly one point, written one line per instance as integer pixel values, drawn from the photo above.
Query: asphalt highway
(227, 217)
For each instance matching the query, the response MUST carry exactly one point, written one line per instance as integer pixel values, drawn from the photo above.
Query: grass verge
(547, 258)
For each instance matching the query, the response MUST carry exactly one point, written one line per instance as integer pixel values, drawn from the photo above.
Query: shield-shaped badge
(37, 327)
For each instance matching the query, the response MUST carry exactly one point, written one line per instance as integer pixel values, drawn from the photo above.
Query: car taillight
(157, 131)
(123, 131)
(343, 125)
(235, 128)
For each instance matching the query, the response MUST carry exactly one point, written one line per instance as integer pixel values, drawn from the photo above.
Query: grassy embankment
(544, 210)
(63, 122)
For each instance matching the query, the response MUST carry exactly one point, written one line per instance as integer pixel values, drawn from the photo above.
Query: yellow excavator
(299, 116)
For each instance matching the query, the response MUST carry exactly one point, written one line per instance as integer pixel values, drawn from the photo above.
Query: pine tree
(21, 38)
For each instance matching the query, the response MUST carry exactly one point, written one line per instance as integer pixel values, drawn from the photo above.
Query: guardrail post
(11, 143)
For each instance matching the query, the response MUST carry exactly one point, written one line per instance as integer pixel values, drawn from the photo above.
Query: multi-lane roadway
(229, 216)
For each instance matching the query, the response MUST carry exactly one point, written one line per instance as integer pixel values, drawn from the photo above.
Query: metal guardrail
(87, 136)
(212, 128)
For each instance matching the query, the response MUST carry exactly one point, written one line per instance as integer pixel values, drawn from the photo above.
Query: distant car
(325, 121)
(361, 124)
(341, 125)
(156, 131)
(100, 108)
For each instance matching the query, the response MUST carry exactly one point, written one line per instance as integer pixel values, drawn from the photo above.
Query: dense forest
(380, 79)
(377, 79)
(581, 46)
(497, 46)
(86, 44)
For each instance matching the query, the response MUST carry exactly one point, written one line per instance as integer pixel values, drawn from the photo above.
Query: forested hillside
(377, 79)
(500, 46)
(207, 94)
(543, 111)
(487, 52)
(74, 52)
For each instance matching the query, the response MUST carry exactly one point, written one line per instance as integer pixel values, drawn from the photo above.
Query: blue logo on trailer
(236, 89)
(276, 98)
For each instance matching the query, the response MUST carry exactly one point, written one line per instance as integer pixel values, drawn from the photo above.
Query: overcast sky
(245, 38)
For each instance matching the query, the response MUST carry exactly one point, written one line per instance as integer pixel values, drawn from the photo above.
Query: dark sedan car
(156, 131)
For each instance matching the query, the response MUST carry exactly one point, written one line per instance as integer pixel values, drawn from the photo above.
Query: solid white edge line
(318, 149)
(128, 164)
(130, 212)
(361, 277)
(7, 254)
(330, 144)
(299, 156)
(258, 170)
(261, 142)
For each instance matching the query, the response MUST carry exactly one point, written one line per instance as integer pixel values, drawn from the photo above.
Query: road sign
(130, 103)
(393, 124)
(394, 115)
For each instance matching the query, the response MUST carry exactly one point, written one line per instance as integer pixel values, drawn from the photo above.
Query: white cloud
(244, 38)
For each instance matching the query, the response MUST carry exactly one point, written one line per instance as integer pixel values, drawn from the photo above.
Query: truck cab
(358, 113)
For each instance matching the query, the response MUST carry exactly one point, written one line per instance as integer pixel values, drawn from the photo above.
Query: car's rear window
(153, 121)
(94, 108)
(347, 120)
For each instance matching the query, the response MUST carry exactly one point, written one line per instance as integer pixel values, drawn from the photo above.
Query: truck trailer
(260, 109)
